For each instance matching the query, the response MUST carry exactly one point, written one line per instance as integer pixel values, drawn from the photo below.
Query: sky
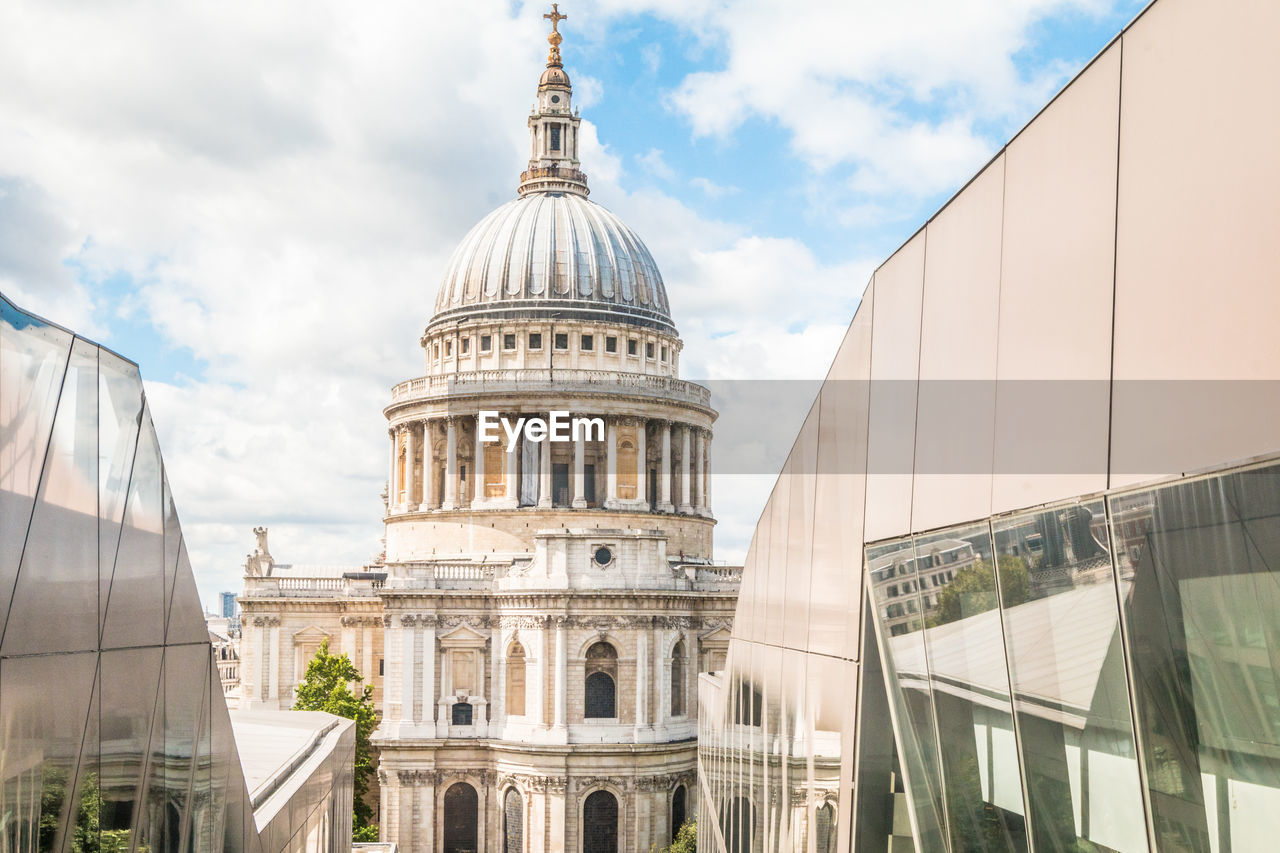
(256, 201)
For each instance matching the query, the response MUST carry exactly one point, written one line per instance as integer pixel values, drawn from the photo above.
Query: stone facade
(535, 628)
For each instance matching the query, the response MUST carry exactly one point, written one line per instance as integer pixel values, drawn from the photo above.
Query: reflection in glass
(899, 632)
(1062, 634)
(1199, 566)
(954, 576)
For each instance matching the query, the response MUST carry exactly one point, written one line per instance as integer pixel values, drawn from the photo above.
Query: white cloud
(284, 183)
(653, 162)
(710, 188)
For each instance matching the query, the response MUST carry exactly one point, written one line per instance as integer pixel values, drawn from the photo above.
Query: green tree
(973, 590)
(686, 840)
(325, 687)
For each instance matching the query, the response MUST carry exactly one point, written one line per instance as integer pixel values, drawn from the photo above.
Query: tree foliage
(686, 840)
(973, 589)
(326, 687)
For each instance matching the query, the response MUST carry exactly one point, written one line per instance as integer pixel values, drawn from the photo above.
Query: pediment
(719, 634)
(463, 635)
(310, 634)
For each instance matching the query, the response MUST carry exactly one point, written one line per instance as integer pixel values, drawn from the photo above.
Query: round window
(603, 556)
(555, 99)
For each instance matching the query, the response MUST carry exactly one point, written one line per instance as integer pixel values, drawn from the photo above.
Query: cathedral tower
(548, 603)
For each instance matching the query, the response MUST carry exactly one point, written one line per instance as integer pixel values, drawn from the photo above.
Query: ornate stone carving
(408, 620)
(529, 623)
(586, 783)
(474, 622)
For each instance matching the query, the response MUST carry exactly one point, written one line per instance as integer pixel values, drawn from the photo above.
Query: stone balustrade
(309, 587)
(560, 380)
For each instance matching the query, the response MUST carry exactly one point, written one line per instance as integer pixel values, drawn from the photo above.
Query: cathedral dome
(553, 254)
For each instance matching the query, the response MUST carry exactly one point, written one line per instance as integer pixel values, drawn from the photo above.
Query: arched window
(602, 676)
(513, 822)
(677, 811)
(460, 827)
(515, 679)
(600, 823)
(825, 826)
(677, 679)
(736, 821)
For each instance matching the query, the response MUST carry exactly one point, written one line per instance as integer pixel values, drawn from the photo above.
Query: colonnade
(441, 463)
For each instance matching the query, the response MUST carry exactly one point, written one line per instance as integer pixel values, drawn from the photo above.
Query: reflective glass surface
(114, 734)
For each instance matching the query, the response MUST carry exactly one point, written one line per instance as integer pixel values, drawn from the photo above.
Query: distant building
(229, 606)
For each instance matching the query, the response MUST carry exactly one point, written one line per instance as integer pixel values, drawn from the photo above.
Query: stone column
(405, 812)
(642, 680)
(427, 808)
(429, 673)
(273, 677)
(706, 475)
(451, 466)
(366, 651)
(611, 464)
(391, 474)
(497, 678)
(664, 474)
(477, 488)
(406, 671)
(699, 476)
(410, 475)
(562, 679)
(348, 636)
(579, 472)
(544, 476)
(386, 679)
(642, 464)
(685, 470)
(513, 475)
(430, 486)
(536, 698)
(260, 688)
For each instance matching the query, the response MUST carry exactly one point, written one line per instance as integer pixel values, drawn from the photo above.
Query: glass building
(114, 735)
(1017, 586)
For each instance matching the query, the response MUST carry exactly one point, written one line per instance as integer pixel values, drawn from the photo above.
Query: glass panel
(776, 585)
(135, 599)
(895, 373)
(883, 821)
(800, 469)
(1056, 286)
(33, 360)
(899, 629)
(835, 589)
(42, 727)
(55, 600)
(1198, 574)
(1062, 633)
(789, 743)
(131, 688)
(955, 578)
(186, 619)
(120, 412)
(955, 418)
(830, 688)
(186, 674)
(84, 833)
(1206, 185)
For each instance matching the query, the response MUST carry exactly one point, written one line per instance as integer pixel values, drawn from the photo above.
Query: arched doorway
(677, 810)
(600, 687)
(600, 823)
(461, 805)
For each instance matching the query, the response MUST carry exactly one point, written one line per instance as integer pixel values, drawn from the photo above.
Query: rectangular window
(588, 343)
(562, 340)
(508, 342)
(448, 348)
(555, 137)
(486, 343)
(435, 351)
(466, 345)
(610, 344)
(648, 350)
(665, 355)
(535, 340)
(631, 346)
(382, 666)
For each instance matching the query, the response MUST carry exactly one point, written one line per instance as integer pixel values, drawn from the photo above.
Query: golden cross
(555, 17)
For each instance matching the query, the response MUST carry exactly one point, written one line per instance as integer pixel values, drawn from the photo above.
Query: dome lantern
(553, 127)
